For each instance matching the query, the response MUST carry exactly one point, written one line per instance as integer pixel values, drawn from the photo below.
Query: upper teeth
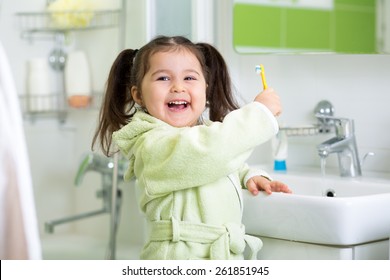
(178, 103)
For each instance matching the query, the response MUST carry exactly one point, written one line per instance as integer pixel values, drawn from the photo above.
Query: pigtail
(118, 105)
(219, 91)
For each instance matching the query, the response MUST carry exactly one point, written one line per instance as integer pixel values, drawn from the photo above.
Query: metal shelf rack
(64, 21)
(56, 26)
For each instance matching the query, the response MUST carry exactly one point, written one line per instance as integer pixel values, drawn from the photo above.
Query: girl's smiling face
(174, 88)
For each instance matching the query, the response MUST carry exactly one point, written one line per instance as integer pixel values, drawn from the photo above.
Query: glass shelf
(53, 105)
(33, 22)
(304, 130)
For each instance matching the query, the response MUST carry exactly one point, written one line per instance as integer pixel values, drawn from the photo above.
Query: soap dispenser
(280, 149)
(77, 80)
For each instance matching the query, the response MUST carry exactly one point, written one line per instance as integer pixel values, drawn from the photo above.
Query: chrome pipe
(114, 211)
(49, 226)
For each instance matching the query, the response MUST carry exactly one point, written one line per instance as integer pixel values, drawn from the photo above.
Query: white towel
(19, 235)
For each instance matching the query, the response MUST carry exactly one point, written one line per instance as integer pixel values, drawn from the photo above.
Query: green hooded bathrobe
(189, 182)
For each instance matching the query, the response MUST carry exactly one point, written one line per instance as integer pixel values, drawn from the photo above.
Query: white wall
(357, 85)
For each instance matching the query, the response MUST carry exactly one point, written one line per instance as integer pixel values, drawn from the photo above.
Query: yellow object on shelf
(71, 13)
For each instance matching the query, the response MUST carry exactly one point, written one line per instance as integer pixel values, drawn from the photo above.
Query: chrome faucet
(104, 166)
(344, 144)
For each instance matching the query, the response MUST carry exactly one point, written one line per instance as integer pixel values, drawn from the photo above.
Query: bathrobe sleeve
(246, 173)
(168, 159)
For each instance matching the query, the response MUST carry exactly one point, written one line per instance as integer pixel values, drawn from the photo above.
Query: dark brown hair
(129, 69)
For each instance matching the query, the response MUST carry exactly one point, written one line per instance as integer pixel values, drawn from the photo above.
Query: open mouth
(178, 105)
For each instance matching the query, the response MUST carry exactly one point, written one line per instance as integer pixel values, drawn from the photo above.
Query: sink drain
(330, 193)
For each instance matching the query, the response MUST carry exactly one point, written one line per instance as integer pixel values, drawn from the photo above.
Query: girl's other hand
(271, 100)
(260, 183)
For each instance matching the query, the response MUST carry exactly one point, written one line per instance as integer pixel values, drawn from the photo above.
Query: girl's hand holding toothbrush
(271, 100)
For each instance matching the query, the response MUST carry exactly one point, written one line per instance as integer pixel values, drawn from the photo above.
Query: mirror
(167, 21)
(306, 26)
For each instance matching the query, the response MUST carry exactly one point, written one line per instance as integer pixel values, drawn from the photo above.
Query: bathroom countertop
(312, 171)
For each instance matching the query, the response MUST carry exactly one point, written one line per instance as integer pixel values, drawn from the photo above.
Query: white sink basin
(358, 212)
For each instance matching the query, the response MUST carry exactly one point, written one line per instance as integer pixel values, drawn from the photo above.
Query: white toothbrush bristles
(260, 70)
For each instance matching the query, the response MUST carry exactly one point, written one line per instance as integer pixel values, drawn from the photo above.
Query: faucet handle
(344, 126)
(363, 160)
(334, 119)
(83, 168)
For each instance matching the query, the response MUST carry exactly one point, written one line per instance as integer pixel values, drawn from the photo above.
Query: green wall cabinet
(348, 27)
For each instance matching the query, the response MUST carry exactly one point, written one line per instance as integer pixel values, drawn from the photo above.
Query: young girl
(189, 171)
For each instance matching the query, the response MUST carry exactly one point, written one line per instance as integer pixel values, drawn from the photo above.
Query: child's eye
(189, 78)
(163, 78)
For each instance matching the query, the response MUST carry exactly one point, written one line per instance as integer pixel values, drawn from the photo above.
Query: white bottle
(38, 85)
(77, 80)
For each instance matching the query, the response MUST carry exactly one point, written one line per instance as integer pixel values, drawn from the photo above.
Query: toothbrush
(260, 70)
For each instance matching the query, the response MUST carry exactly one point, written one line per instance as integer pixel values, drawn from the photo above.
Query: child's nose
(178, 87)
